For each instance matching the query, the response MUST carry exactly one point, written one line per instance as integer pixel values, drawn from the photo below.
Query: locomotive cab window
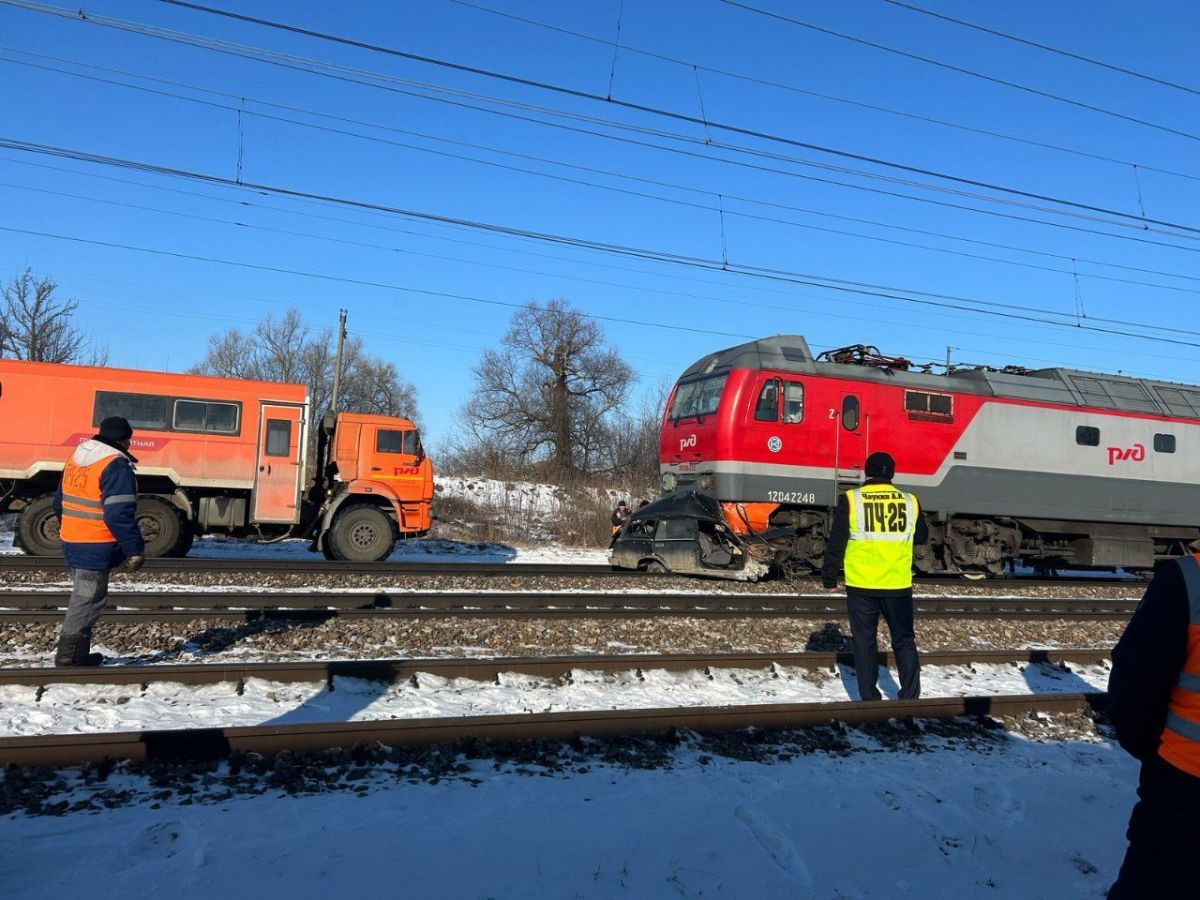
(1164, 443)
(793, 403)
(767, 407)
(850, 413)
(930, 406)
(279, 437)
(1087, 436)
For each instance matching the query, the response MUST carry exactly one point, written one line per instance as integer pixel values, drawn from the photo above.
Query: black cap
(115, 428)
(622, 503)
(880, 465)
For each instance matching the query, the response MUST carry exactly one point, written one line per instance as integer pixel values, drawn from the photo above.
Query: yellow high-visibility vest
(883, 520)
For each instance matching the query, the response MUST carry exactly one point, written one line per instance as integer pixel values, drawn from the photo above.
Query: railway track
(492, 668)
(220, 743)
(20, 562)
(34, 606)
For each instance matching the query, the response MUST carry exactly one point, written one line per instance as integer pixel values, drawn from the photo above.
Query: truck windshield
(698, 398)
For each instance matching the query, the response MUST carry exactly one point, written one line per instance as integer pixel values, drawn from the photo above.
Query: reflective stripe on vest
(83, 508)
(1181, 738)
(883, 520)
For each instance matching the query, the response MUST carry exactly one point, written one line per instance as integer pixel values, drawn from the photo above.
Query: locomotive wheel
(362, 534)
(37, 528)
(162, 526)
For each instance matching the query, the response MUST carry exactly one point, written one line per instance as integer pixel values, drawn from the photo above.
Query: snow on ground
(1001, 818)
(69, 708)
(412, 551)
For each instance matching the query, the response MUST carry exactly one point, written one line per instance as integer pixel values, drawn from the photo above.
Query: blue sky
(156, 311)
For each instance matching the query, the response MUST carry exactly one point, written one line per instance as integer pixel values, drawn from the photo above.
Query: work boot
(73, 650)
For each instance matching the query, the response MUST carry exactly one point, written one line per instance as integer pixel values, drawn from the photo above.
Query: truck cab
(375, 482)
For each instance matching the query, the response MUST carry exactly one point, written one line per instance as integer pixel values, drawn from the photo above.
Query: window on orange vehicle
(207, 416)
(279, 437)
(850, 413)
(793, 403)
(389, 440)
(1164, 443)
(767, 407)
(147, 411)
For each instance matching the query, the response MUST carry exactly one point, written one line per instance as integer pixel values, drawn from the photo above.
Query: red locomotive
(1051, 468)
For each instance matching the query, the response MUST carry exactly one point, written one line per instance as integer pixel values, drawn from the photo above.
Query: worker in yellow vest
(1154, 707)
(872, 536)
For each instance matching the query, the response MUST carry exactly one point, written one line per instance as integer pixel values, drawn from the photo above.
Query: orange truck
(215, 455)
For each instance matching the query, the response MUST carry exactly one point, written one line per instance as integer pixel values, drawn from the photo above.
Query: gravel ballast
(202, 641)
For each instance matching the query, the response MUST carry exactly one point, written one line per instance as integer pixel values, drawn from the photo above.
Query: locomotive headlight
(669, 481)
(706, 482)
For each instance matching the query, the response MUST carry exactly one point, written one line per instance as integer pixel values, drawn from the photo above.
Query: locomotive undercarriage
(978, 547)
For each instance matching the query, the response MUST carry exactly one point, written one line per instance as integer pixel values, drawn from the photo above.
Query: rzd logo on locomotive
(689, 441)
(1136, 453)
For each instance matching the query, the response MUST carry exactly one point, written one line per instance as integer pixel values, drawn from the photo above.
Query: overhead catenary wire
(941, 64)
(1029, 42)
(785, 86)
(368, 79)
(577, 93)
(659, 111)
(904, 295)
(239, 109)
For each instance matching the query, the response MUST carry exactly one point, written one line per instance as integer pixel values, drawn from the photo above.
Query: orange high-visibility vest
(83, 506)
(1181, 738)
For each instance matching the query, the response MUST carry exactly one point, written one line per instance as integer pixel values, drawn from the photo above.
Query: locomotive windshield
(698, 398)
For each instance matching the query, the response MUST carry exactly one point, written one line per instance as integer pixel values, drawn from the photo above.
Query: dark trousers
(87, 602)
(897, 610)
(1164, 832)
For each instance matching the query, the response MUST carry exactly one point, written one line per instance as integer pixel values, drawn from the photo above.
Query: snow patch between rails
(67, 708)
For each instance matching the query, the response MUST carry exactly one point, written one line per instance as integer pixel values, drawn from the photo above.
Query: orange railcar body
(198, 436)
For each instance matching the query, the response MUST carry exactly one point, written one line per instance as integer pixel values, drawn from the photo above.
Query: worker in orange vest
(1154, 706)
(96, 505)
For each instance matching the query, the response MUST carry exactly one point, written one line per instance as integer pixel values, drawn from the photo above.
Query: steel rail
(518, 570)
(328, 567)
(220, 743)
(487, 601)
(493, 668)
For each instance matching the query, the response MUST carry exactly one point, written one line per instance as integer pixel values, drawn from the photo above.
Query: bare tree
(287, 349)
(36, 326)
(546, 395)
(631, 441)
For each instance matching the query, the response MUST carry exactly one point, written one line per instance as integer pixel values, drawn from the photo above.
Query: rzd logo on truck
(1136, 453)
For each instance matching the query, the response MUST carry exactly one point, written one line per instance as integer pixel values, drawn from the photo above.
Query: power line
(239, 109)
(588, 95)
(947, 66)
(335, 71)
(781, 85)
(905, 295)
(1040, 46)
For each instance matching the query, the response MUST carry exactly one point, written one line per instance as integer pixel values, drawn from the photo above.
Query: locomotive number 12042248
(791, 497)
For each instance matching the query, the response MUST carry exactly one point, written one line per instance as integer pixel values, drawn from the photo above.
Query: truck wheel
(161, 524)
(37, 528)
(362, 534)
(185, 542)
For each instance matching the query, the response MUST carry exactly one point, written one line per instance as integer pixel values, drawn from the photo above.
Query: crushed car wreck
(686, 533)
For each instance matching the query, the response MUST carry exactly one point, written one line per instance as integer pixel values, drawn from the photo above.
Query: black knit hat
(115, 428)
(880, 465)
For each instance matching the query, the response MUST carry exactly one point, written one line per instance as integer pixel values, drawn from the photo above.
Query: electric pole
(337, 363)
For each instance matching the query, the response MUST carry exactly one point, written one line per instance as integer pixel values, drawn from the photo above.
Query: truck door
(850, 444)
(280, 465)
